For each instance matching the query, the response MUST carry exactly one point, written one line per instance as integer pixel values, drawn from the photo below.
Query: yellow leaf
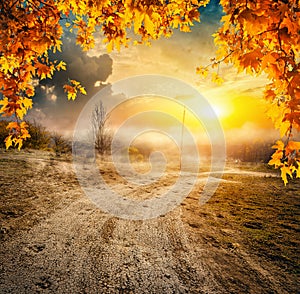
(61, 66)
(27, 103)
(74, 82)
(297, 170)
(72, 95)
(82, 90)
(23, 125)
(110, 19)
(19, 141)
(285, 170)
(202, 71)
(226, 20)
(118, 44)
(217, 79)
(139, 17)
(110, 46)
(292, 145)
(8, 141)
(21, 112)
(284, 128)
(185, 28)
(7, 64)
(279, 145)
(12, 126)
(149, 25)
(176, 21)
(4, 103)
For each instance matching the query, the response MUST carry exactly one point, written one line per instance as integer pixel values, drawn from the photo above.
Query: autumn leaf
(8, 141)
(202, 71)
(72, 89)
(217, 79)
(61, 66)
(252, 60)
(18, 143)
(285, 171)
(292, 145)
(278, 155)
(4, 102)
(82, 90)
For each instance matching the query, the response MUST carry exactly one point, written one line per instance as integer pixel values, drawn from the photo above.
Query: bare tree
(102, 135)
(59, 144)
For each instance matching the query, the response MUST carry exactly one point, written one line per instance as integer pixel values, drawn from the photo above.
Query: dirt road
(54, 239)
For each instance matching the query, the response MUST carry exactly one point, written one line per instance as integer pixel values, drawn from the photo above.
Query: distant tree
(101, 133)
(39, 136)
(254, 152)
(59, 144)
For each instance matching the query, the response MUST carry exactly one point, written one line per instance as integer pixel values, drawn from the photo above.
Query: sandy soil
(54, 240)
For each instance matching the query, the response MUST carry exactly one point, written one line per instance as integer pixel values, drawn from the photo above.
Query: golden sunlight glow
(236, 115)
(150, 110)
(222, 111)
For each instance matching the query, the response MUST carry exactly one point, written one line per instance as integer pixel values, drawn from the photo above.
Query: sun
(221, 111)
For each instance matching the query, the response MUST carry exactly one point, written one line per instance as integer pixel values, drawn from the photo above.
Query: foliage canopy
(259, 37)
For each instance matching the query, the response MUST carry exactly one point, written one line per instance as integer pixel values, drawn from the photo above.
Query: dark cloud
(82, 67)
(50, 98)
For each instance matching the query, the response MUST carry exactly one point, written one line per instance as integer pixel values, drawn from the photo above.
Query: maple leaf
(82, 90)
(4, 102)
(217, 79)
(18, 142)
(285, 171)
(71, 93)
(149, 25)
(278, 155)
(30, 92)
(202, 71)
(8, 141)
(252, 60)
(12, 125)
(61, 66)
(279, 145)
(43, 70)
(20, 112)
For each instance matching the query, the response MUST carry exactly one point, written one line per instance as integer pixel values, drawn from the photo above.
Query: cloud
(91, 71)
(52, 97)
(49, 92)
(36, 114)
(250, 132)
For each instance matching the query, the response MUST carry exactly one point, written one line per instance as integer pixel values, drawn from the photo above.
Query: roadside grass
(256, 213)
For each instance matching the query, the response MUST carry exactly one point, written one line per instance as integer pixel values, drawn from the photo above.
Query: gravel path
(54, 240)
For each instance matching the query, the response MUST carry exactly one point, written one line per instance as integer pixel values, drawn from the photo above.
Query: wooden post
(182, 131)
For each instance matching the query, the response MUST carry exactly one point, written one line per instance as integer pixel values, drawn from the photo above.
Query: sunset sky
(238, 102)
